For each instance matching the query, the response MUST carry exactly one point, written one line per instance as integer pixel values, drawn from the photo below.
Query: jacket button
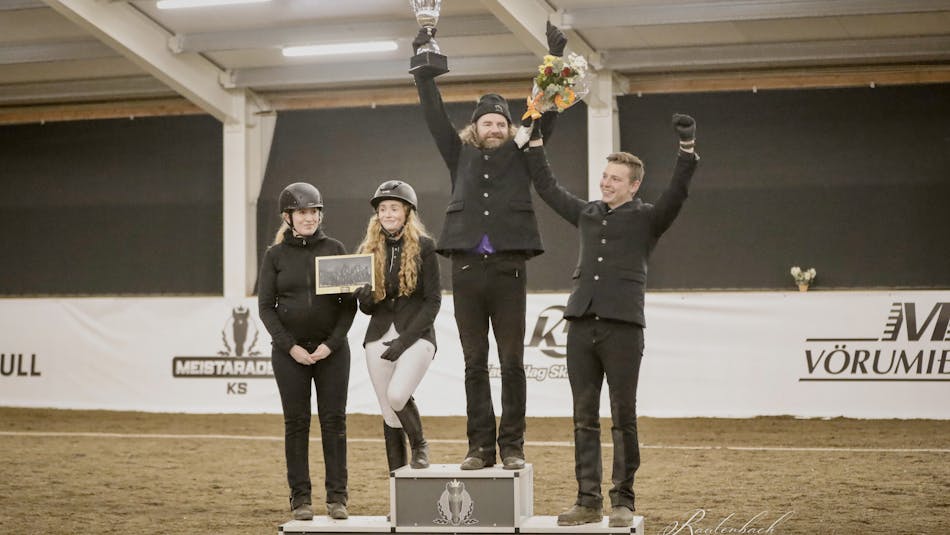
(596, 277)
(485, 175)
(600, 259)
(485, 194)
(486, 212)
(603, 240)
(485, 156)
(603, 222)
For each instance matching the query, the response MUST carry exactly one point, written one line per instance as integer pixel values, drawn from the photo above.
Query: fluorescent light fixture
(339, 48)
(179, 4)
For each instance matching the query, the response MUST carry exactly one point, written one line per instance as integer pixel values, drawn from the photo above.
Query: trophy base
(428, 64)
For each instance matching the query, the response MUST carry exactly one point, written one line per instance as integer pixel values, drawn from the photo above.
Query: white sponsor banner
(726, 354)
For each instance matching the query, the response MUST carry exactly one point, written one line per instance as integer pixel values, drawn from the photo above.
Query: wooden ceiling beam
(405, 94)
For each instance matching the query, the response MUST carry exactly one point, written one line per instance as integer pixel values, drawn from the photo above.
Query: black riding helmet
(396, 190)
(299, 196)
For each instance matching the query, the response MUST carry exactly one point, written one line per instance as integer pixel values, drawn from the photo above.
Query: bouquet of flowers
(560, 83)
(803, 277)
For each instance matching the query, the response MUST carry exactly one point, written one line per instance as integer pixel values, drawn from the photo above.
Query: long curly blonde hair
(375, 243)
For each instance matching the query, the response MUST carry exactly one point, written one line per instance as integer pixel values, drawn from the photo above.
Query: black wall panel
(854, 182)
(347, 153)
(111, 207)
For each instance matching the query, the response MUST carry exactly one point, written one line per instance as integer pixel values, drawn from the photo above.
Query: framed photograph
(343, 273)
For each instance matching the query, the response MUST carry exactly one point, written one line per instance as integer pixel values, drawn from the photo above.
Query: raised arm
(556, 43)
(437, 119)
(565, 203)
(671, 201)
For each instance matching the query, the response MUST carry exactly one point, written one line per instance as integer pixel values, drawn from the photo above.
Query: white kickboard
(548, 524)
(325, 524)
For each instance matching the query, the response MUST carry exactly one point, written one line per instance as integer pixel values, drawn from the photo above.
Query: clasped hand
(306, 358)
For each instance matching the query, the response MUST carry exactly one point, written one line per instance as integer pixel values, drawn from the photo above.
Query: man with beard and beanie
(605, 310)
(490, 231)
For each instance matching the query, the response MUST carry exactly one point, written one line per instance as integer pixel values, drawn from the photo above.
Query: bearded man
(490, 232)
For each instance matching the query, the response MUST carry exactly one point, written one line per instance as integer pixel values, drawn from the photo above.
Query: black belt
(499, 255)
(595, 317)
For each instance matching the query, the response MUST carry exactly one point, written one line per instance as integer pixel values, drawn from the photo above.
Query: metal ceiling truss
(15, 5)
(375, 71)
(99, 89)
(125, 29)
(688, 12)
(47, 52)
(177, 61)
(910, 49)
(330, 32)
(526, 20)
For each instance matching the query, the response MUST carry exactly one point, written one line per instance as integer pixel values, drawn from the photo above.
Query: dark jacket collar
(299, 241)
(629, 205)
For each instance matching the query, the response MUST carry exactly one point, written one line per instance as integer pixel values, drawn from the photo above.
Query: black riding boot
(412, 425)
(395, 446)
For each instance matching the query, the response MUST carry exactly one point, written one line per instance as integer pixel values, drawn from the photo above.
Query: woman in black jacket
(400, 339)
(309, 346)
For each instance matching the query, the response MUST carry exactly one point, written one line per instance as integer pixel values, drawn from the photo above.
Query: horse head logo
(237, 329)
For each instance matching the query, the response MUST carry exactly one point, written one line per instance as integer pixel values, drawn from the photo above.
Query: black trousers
(331, 377)
(491, 288)
(598, 348)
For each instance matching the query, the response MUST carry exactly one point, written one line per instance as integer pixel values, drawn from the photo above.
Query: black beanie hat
(491, 103)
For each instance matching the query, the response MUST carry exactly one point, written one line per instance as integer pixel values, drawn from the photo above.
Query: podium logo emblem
(455, 506)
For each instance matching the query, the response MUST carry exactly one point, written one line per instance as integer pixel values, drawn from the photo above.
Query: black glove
(364, 294)
(422, 38)
(556, 40)
(395, 350)
(685, 127)
(544, 124)
(536, 131)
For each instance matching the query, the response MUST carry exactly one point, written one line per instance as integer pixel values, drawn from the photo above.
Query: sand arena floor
(124, 472)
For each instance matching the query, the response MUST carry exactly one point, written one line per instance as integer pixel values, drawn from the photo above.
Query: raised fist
(422, 38)
(556, 40)
(685, 127)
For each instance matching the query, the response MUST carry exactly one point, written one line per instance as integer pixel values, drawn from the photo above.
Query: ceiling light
(178, 4)
(339, 48)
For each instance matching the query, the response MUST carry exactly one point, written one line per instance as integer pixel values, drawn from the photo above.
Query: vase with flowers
(803, 277)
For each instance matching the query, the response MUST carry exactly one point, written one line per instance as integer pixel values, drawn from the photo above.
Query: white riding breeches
(394, 382)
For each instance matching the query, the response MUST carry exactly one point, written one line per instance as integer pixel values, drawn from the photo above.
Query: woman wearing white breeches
(400, 338)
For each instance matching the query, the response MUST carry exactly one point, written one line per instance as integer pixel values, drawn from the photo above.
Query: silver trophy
(428, 60)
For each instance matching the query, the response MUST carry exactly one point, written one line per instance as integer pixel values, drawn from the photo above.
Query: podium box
(443, 498)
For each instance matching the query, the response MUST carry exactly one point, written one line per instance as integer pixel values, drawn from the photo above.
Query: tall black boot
(395, 446)
(412, 425)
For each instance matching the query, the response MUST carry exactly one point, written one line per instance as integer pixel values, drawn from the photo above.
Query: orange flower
(532, 111)
(563, 103)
